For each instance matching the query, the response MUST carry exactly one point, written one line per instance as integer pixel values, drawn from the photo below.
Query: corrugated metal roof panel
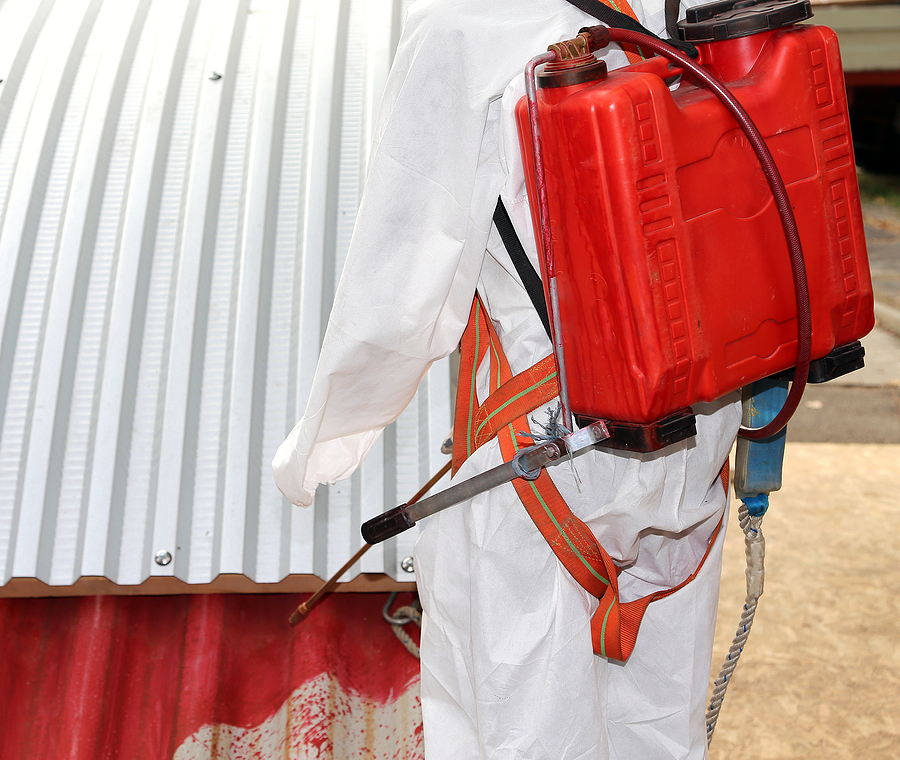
(205, 676)
(178, 185)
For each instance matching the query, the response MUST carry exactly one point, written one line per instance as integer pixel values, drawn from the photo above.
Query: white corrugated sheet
(178, 185)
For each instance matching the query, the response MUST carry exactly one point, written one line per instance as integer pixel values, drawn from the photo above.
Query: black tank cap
(728, 19)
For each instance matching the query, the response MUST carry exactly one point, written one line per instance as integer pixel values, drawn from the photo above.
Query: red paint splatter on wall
(136, 677)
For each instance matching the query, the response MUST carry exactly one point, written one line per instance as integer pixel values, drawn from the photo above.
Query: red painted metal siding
(90, 678)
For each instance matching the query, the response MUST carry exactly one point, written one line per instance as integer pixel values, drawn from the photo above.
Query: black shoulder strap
(530, 278)
(614, 18)
(673, 8)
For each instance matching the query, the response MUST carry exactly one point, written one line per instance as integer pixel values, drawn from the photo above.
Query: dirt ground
(820, 675)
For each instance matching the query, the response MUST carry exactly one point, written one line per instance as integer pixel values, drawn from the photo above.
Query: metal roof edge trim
(226, 583)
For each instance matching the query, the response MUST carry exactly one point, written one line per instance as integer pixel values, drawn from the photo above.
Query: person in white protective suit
(508, 669)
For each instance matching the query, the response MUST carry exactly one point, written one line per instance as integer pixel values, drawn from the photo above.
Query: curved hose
(546, 237)
(755, 550)
(783, 204)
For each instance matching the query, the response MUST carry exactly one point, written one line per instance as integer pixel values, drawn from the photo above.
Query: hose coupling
(597, 37)
(575, 63)
(589, 39)
(569, 50)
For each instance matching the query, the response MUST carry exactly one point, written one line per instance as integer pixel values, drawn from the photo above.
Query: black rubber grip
(391, 523)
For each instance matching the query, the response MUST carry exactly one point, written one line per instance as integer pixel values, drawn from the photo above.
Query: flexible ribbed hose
(546, 237)
(755, 549)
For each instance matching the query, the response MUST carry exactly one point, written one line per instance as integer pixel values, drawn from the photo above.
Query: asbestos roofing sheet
(178, 185)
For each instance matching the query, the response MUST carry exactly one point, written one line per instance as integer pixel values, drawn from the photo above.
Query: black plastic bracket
(841, 361)
(647, 437)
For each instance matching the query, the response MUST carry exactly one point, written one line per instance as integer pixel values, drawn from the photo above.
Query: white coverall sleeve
(415, 256)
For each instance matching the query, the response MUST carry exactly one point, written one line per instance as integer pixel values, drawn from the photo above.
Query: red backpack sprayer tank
(675, 273)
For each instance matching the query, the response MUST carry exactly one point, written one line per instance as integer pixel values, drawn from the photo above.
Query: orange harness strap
(615, 625)
(535, 386)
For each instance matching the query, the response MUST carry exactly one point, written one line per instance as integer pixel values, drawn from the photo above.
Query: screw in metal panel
(407, 564)
(163, 557)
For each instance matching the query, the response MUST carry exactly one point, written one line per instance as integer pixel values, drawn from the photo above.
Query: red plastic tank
(672, 267)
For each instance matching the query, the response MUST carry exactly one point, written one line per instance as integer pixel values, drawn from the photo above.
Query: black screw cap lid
(728, 19)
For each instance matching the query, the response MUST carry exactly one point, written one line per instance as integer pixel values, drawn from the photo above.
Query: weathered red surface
(137, 677)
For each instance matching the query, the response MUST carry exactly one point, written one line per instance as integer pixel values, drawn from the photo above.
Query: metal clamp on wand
(527, 464)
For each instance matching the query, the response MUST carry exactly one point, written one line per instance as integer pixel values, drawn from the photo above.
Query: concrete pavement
(819, 677)
(861, 407)
(864, 406)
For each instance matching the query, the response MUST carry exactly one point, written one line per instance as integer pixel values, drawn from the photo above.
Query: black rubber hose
(783, 204)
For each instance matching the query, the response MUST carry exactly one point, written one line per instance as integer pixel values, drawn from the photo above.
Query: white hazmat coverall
(508, 669)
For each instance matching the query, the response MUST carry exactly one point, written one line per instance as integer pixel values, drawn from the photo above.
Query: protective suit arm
(416, 252)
